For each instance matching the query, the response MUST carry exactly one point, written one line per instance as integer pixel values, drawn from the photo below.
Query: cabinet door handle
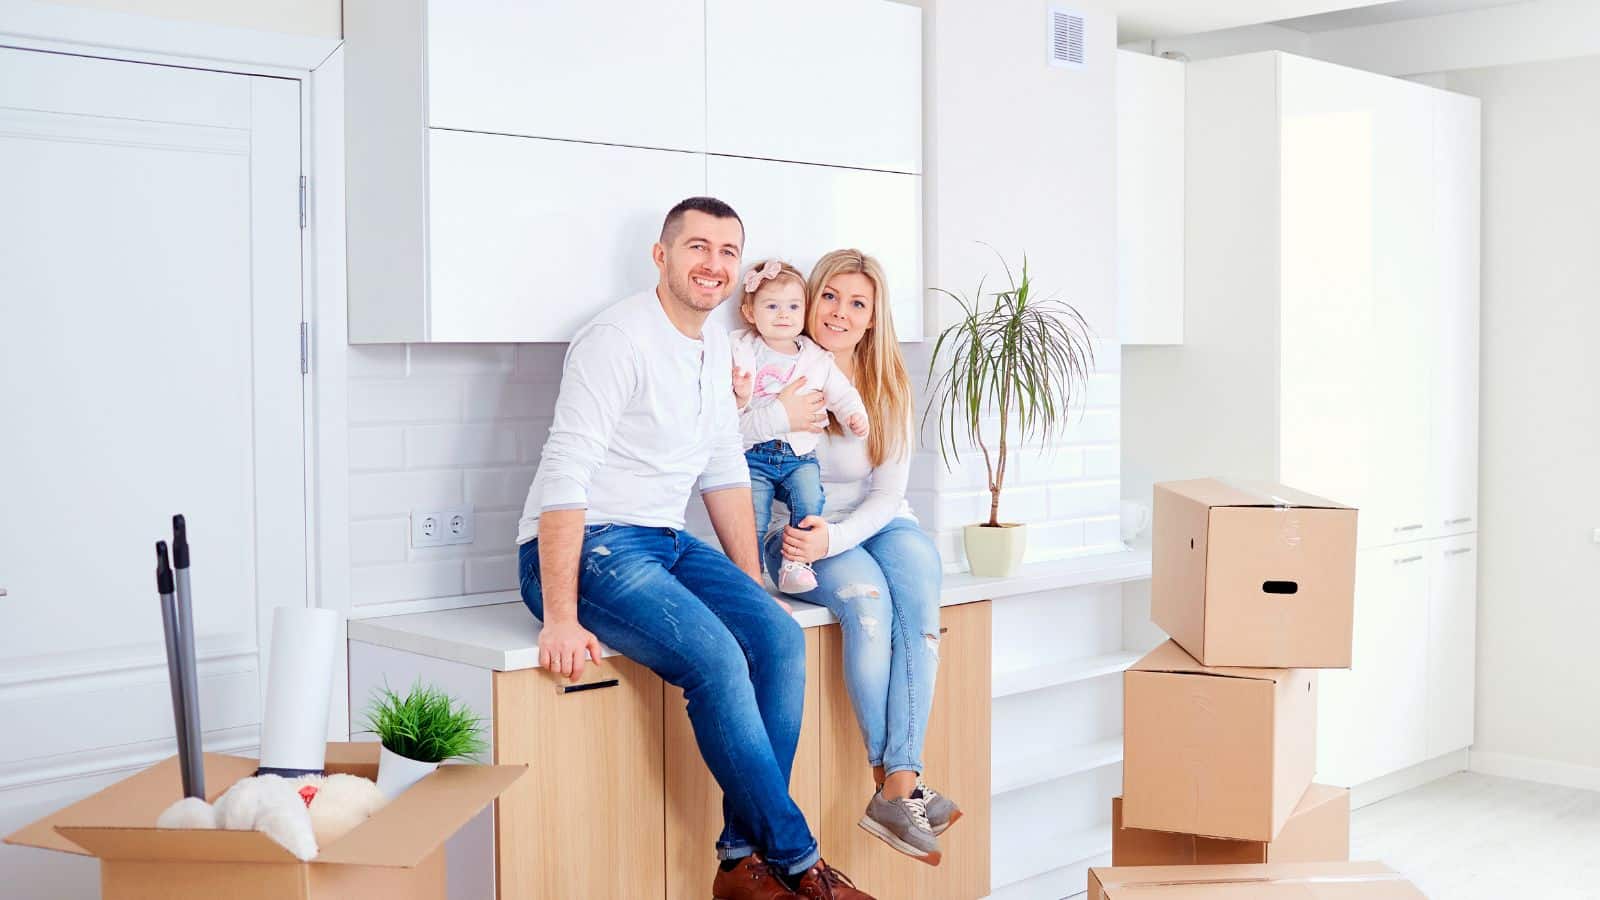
(1406, 559)
(1461, 521)
(2, 592)
(1457, 551)
(587, 686)
(1415, 527)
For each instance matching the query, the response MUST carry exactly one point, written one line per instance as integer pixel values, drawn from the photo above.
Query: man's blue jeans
(666, 600)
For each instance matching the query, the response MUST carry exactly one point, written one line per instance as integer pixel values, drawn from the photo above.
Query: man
(645, 413)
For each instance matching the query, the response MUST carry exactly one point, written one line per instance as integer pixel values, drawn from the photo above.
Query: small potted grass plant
(1017, 361)
(420, 730)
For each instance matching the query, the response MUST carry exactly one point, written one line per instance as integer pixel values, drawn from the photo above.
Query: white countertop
(505, 636)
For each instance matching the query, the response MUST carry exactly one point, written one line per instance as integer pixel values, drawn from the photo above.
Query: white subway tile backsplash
(1019, 504)
(379, 541)
(409, 581)
(1105, 389)
(1049, 539)
(404, 401)
(373, 449)
(496, 399)
(540, 363)
(1102, 531)
(1044, 466)
(440, 446)
(462, 359)
(1102, 462)
(499, 488)
(397, 493)
(493, 573)
(1084, 498)
(530, 439)
(376, 361)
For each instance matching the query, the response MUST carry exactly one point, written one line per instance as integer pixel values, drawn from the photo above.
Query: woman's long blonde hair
(880, 370)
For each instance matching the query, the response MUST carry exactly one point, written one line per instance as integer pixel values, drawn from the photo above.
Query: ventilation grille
(1066, 39)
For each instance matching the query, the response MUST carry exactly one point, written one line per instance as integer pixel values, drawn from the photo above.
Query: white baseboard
(1406, 779)
(1528, 768)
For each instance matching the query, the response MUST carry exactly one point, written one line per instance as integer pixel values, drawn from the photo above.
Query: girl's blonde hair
(880, 370)
(784, 271)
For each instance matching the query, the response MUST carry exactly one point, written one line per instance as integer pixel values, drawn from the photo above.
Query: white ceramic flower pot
(995, 552)
(396, 772)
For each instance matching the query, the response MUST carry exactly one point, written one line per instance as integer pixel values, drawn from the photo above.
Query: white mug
(1135, 519)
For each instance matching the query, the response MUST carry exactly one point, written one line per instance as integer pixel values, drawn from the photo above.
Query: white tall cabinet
(1331, 343)
(509, 163)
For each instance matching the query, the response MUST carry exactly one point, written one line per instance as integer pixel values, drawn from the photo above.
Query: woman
(875, 568)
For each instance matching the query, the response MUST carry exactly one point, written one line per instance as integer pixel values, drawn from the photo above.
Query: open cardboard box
(1317, 831)
(1269, 881)
(397, 854)
(1254, 575)
(1219, 752)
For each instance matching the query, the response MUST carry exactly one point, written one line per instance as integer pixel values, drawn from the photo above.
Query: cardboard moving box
(1317, 831)
(397, 854)
(1254, 575)
(1275, 881)
(1219, 752)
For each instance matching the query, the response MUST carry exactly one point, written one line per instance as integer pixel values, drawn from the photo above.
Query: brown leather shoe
(751, 879)
(824, 882)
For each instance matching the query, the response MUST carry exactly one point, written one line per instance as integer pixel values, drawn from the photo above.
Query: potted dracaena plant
(1017, 364)
(420, 730)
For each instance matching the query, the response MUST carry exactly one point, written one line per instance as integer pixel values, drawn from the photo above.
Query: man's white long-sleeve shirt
(644, 413)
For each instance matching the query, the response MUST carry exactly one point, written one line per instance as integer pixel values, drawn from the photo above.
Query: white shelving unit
(1057, 673)
(1053, 763)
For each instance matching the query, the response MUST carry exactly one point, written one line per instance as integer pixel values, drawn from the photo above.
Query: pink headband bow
(754, 277)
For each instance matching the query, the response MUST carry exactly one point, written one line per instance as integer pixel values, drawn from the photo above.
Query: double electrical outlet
(441, 527)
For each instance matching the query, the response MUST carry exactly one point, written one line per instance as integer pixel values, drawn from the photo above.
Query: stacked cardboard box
(1255, 585)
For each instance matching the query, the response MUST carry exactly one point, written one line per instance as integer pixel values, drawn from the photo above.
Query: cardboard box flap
(352, 758)
(178, 844)
(1227, 492)
(1318, 794)
(1169, 657)
(1262, 881)
(134, 802)
(412, 825)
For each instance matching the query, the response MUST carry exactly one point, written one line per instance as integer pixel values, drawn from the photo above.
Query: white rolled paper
(294, 722)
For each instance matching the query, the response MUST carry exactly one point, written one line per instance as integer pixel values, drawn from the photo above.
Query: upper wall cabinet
(508, 162)
(800, 212)
(837, 82)
(1150, 123)
(620, 72)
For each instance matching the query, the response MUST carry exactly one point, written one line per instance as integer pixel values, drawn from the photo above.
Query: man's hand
(562, 646)
(805, 410)
(743, 383)
(858, 425)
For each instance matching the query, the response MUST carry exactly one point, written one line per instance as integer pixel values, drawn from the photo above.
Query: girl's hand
(807, 543)
(742, 382)
(858, 425)
(805, 410)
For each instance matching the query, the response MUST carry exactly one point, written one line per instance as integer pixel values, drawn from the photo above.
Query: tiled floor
(1475, 837)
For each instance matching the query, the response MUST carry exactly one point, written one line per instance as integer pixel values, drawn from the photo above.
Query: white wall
(1538, 613)
(314, 17)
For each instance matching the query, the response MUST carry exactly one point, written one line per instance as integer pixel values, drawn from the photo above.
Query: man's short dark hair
(711, 206)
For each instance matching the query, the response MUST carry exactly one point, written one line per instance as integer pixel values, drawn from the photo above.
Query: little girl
(766, 358)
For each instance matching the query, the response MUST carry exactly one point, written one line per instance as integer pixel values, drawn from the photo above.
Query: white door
(149, 365)
(1452, 642)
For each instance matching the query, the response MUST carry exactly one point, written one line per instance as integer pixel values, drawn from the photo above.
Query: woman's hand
(562, 645)
(807, 543)
(805, 410)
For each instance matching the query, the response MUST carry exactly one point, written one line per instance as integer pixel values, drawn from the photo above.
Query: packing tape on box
(1288, 523)
(1366, 878)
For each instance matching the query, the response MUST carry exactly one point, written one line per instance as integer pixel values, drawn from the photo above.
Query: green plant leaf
(425, 724)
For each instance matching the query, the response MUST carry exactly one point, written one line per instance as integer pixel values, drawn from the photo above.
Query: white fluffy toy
(299, 814)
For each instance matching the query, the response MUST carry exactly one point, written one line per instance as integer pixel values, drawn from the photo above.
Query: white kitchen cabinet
(837, 82)
(1150, 121)
(620, 72)
(801, 211)
(529, 238)
(1453, 327)
(1331, 343)
(1452, 642)
(509, 164)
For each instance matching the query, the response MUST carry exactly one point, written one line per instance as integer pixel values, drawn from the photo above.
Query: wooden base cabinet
(694, 802)
(586, 820)
(956, 754)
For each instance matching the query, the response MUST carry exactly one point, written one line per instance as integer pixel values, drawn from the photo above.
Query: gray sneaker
(903, 825)
(942, 811)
